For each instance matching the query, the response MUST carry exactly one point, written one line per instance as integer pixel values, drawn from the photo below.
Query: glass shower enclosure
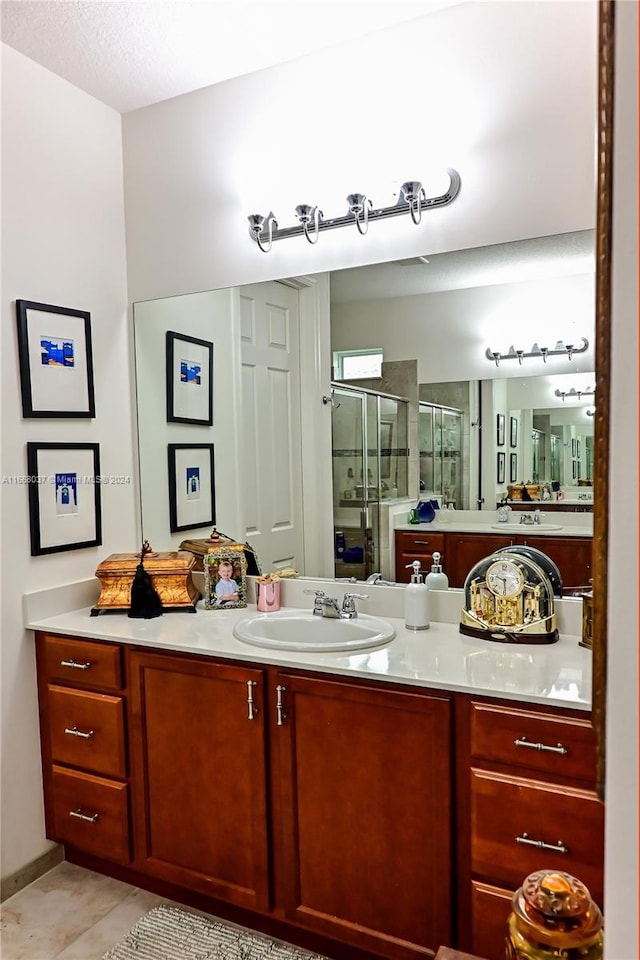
(370, 467)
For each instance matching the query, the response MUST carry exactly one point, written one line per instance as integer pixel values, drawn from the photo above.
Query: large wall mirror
(433, 320)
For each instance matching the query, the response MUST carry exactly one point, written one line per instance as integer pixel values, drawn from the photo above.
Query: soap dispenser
(416, 602)
(437, 579)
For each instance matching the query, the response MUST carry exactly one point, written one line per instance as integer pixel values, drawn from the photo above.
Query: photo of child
(226, 586)
(225, 575)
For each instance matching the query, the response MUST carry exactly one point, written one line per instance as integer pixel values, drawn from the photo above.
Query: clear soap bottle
(416, 601)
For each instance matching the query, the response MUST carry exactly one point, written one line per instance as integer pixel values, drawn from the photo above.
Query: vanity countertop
(581, 526)
(555, 675)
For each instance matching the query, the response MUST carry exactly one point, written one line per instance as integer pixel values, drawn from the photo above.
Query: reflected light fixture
(574, 394)
(412, 199)
(568, 350)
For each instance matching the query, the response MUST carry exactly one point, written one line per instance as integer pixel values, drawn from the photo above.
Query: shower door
(355, 483)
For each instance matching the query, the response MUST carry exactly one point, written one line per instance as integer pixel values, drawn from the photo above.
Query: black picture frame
(64, 496)
(513, 432)
(513, 468)
(56, 361)
(575, 469)
(192, 498)
(501, 467)
(189, 375)
(500, 428)
(578, 447)
(574, 447)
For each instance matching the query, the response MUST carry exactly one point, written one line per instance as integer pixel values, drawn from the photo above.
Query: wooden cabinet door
(572, 556)
(416, 546)
(464, 550)
(366, 814)
(199, 775)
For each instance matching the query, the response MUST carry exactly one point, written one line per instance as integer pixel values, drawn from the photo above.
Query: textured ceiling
(132, 53)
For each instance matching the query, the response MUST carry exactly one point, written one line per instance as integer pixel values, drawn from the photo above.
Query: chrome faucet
(324, 606)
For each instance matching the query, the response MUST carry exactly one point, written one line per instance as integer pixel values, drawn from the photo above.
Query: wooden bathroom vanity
(374, 805)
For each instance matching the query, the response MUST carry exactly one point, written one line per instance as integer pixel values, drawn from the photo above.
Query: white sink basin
(301, 630)
(525, 527)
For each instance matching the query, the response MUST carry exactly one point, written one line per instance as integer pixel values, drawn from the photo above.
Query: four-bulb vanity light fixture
(311, 221)
(561, 349)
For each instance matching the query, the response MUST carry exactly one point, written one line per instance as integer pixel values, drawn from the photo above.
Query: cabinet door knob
(280, 714)
(523, 742)
(74, 732)
(558, 847)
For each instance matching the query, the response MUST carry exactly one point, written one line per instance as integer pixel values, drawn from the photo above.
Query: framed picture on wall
(574, 447)
(56, 363)
(189, 379)
(191, 486)
(500, 425)
(575, 465)
(64, 496)
(513, 432)
(513, 468)
(501, 467)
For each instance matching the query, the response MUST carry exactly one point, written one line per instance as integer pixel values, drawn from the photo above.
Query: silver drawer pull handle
(422, 543)
(250, 702)
(523, 742)
(79, 815)
(280, 714)
(558, 847)
(79, 733)
(75, 665)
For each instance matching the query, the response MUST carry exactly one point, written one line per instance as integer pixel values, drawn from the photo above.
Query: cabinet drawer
(82, 662)
(87, 730)
(540, 742)
(569, 822)
(91, 813)
(490, 909)
(421, 542)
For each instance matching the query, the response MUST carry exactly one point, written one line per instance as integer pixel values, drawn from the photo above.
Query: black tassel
(145, 601)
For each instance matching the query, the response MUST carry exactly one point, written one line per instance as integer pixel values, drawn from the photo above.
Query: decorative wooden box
(170, 575)
(199, 548)
(514, 491)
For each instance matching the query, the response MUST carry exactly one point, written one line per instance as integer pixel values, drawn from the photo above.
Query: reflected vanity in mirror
(425, 427)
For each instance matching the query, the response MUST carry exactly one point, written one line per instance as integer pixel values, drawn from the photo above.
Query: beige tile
(44, 918)
(110, 929)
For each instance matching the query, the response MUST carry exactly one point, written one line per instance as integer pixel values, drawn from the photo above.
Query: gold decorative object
(509, 598)
(170, 575)
(514, 491)
(554, 916)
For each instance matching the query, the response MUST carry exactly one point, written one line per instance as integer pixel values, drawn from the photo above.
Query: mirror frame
(606, 23)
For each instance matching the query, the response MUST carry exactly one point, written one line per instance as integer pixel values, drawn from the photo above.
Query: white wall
(63, 244)
(503, 92)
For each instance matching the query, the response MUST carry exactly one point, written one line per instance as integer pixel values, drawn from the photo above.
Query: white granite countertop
(555, 675)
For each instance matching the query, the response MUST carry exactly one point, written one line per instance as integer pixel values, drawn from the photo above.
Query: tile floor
(70, 914)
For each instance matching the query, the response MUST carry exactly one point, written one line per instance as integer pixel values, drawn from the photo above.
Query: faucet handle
(348, 605)
(320, 596)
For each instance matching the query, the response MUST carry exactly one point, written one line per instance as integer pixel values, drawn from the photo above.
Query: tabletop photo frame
(189, 373)
(225, 579)
(64, 496)
(56, 361)
(192, 498)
